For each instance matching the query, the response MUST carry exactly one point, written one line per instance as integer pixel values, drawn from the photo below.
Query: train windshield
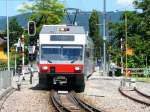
(66, 53)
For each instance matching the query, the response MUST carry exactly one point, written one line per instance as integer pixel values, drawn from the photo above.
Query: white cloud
(20, 6)
(24, 4)
(125, 2)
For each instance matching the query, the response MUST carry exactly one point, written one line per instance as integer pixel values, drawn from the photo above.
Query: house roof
(2, 41)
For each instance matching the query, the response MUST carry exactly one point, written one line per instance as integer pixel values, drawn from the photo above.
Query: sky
(84, 5)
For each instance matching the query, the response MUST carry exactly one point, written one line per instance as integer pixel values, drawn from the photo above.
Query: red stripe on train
(61, 68)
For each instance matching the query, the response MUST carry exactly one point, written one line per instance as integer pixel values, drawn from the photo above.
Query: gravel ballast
(100, 91)
(30, 98)
(104, 94)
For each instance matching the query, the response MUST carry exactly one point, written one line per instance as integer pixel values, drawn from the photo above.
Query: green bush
(118, 72)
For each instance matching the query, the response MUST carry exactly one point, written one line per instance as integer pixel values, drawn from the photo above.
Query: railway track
(5, 95)
(71, 103)
(136, 96)
(141, 93)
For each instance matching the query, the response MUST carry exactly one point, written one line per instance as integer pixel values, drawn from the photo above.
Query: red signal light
(31, 28)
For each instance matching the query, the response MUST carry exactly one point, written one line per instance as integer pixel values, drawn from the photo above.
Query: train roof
(58, 29)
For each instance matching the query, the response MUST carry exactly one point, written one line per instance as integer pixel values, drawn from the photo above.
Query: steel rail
(141, 93)
(5, 96)
(84, 105)
(59, 107)
(132, 98)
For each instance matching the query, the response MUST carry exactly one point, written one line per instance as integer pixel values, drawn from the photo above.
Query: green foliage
(118, 72)
(138, 35)
(44, 12)
(15, 31)
(94, 32)
(94, 24)
(3, 65)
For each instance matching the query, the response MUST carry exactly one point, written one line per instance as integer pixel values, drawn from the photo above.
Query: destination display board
(62, 38)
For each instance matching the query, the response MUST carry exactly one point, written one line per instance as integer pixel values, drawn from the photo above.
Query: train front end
(61, 56)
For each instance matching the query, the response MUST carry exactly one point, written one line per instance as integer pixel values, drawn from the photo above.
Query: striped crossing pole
(22, 45)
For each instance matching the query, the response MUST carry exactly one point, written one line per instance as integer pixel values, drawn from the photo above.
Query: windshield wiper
(73, 60)
(49, 61)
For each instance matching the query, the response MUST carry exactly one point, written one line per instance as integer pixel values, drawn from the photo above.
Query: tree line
(138, 35)
(52, 12)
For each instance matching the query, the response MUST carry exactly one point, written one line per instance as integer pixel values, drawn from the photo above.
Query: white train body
(65, 55)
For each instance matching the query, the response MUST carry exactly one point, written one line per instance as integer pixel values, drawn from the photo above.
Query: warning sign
(129, 51)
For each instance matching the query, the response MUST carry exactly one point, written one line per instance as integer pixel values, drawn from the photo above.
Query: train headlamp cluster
(77, 68)
(63, 29)
(44, 67)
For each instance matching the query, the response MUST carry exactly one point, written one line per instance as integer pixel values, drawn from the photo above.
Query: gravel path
(99, 91)
(144, 87)
(29, 99)
(104, 94)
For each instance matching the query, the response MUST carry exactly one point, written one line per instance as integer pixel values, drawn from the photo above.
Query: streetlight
(8, 59)
(104, 36)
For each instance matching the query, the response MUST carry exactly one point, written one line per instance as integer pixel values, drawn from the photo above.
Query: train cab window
(58, 53)
(50, 52)
(72, 53)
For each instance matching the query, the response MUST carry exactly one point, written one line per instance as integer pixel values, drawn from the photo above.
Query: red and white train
(65, 56)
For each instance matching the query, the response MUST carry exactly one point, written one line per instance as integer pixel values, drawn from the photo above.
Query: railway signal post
(22, 53)
(31, 28)
(31, 33)
(31, 47)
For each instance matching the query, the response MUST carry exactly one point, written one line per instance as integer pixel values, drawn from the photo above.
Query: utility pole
(8, 59)
(104, 37)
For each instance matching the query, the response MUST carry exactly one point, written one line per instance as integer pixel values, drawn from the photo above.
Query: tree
(15, 31)
(144, 25)
(138, 33)
(94, 31)
(44, 12)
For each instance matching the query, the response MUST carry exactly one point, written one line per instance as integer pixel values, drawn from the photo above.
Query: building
(3, 55)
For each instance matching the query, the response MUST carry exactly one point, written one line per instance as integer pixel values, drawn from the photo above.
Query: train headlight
(44, 67)
(77, 68)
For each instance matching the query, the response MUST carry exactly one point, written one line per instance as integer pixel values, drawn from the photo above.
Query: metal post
(22, 42)
(15, 59)
(104, 36)
(101, 61)
(8, 59)
(126, 36)
(146, 61)
(121, 56)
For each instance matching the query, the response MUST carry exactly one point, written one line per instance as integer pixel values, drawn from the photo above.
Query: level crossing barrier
(140, 71)
(5, 78)
(137, 71)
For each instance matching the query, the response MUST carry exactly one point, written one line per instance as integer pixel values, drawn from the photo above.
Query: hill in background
(82, 19)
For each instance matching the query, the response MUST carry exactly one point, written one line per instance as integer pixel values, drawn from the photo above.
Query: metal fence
(137, 71)
(5, 68)
(140, 71)
(5, 79)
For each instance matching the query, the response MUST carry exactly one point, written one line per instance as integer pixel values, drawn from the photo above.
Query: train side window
(87, 54)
